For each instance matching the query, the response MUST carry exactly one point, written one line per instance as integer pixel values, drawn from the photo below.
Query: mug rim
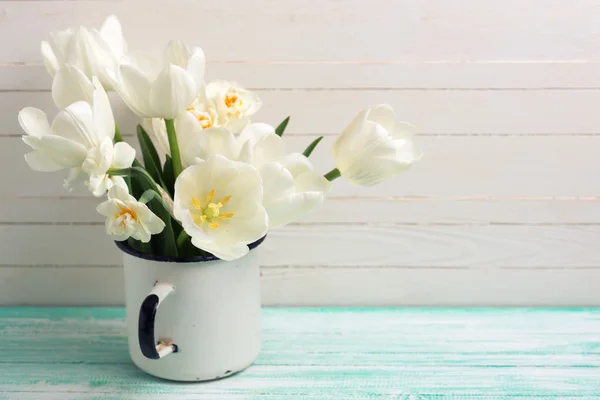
(170, 259)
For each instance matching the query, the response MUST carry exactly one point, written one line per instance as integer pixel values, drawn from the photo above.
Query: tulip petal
(296, 163)
(172, 92)
(134, 88)
(285, 199)
(42, 162)
(104, 120)
(71, 85)
(403, 130)
(384, 115)
(34, 121)
(76, 123)
(123, 155)
(196, 66)
(112, 34)
(62, 151)
(177, 53)
(312, 182)
(50, 60)
(156, 126)
(60, 42)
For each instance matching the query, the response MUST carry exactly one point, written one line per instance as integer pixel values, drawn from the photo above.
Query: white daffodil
(291, 186)
(375, 147)
(233, 105)
(81, 131)
(220, 105)
(219, 203)
(102, 158)
(126, 217)
(164, 93)
(92, 51)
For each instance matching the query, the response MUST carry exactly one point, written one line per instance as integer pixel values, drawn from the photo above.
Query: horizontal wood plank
(491, 75)
(327, 353)
(436, 112)
(377, 30)
(403, 210)
(349, 286)
(336, 246)
(505, 166)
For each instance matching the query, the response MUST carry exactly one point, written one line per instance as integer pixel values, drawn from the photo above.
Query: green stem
(133, 171)
(174, 147)
(332, 175)
(149, 195)
(118, 137)
(182, 238)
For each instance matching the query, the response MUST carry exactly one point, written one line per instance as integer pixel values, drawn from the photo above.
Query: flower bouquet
(204, 190)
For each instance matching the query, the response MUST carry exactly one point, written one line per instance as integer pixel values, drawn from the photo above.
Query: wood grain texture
(380, 30)
(503, 209)
(504, 166)
(435, 112)
(317, 286)
(468, 210)
(485, 354)
(340, 245)
(360, 75)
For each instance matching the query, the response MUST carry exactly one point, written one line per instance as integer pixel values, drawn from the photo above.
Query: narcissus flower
(126, 217)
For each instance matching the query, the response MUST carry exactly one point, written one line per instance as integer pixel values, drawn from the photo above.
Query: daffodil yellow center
(125, 215)
(209, 211)
(233, 102)
(204, 118)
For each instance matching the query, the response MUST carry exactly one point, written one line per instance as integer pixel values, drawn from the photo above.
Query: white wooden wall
(503, 209)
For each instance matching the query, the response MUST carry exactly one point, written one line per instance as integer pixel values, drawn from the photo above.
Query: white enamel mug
(192, 319)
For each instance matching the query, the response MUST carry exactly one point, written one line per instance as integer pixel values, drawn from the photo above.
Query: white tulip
(90, 50)
(160, 94)
(219, 203)
(291, 186)
(80, 138)
(374, 147)
(74, 131)
(197, 143)
(70, 84)
(126, 217)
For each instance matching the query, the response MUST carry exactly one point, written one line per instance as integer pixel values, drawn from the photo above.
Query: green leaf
(169, 176)
(163, 243)
(281, 128)
(311, 147)
(150, 156)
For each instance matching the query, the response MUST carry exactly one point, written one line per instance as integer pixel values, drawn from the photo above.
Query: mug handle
(146, 323)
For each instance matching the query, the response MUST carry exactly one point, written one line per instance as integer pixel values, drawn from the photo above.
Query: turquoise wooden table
(81, 353)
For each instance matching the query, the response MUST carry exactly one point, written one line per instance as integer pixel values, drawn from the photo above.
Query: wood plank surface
(494, 166)
(418, 353)
(363, 75)
(437, 111)
(340, 245)
(102, 285)
(318, 30)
